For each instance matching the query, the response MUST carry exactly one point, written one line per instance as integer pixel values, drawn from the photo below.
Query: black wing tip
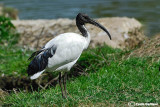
(40, 62)
(30, 70)
(34, 54)
(29, 58)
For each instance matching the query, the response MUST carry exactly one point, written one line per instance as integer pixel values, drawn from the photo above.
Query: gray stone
(125, 32)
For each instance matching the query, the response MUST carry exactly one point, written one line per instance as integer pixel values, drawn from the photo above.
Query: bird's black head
(82, 19)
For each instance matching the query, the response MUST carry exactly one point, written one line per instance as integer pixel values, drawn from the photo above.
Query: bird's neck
(85, 33)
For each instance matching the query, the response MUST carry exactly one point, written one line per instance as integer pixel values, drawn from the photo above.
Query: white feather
(69, 49)
(36, 75)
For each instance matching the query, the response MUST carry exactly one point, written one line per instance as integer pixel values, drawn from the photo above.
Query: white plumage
(62, 52)
(69, 49)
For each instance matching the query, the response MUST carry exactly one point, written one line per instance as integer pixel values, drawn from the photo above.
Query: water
(146, 11)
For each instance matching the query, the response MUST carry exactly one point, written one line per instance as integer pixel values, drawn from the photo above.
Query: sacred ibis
(62, 52)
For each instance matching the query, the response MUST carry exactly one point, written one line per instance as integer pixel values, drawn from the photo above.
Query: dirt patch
(11, 83)
(134, 40)
(150, 48)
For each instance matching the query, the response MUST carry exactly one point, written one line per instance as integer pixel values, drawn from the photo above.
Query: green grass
(13, 60)
(110, 80)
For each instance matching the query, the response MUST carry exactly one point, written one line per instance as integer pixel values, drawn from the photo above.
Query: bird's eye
(86, 17)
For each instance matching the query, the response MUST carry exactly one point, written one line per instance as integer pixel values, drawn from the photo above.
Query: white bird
(62, 52)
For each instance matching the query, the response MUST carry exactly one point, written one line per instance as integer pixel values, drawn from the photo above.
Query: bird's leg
(64, 83)
(60, 83)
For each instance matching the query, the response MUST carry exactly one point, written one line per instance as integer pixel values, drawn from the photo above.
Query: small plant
(10, 12)
(8, 34)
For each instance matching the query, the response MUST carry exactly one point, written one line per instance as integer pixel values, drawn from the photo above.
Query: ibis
(62, 52)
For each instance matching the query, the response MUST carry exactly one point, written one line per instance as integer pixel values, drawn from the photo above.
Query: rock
(125, 32)
(150, 48)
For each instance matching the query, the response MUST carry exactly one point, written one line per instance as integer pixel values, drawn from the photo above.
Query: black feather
(34, 54)
(40, 60)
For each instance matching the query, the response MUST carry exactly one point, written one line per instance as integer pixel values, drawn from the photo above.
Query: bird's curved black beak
(93, 22)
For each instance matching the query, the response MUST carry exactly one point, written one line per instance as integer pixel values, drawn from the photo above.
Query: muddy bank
(10, 83)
